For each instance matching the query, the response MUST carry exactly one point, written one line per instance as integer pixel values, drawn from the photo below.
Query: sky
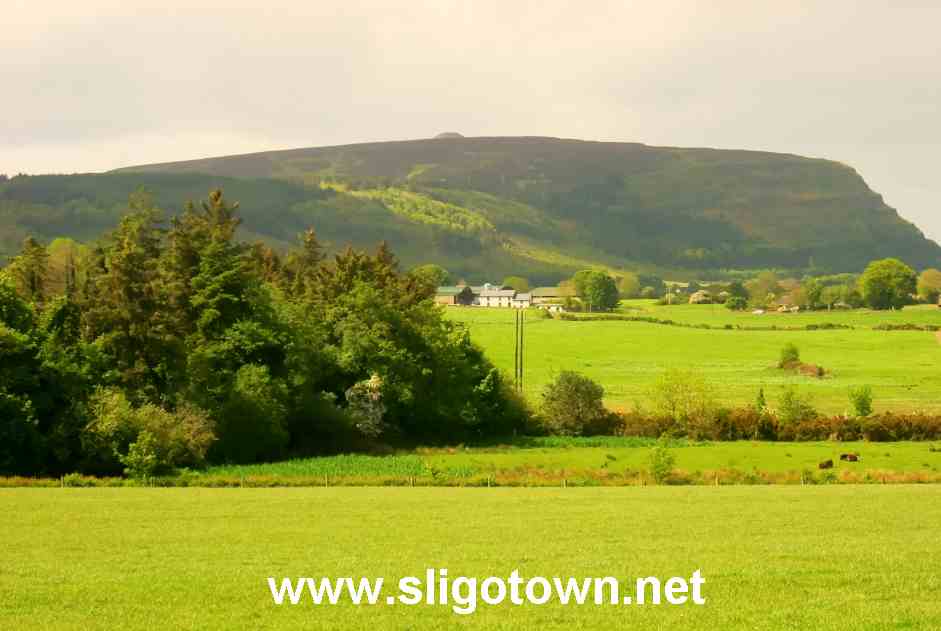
(99, 84)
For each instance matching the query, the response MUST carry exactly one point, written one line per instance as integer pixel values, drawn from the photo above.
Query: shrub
(736, 303)
(795, 407)
(148, 439)
(253, 420)
(141, 460)
(689, 400)
(861, 398)
(790, 355)
(572, 405)
(661, 461)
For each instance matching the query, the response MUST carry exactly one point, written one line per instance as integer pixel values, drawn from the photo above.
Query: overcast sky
(98, 84)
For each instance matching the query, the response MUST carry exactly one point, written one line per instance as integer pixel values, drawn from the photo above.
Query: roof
(523, 297)
(552, 292)
(450, 291)
(498, 293)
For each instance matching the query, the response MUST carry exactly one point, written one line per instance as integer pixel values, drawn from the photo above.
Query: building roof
(552, 292)
(498, 293)
(449, 291)
(523, 297)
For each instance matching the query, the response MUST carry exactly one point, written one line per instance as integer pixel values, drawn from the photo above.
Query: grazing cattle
(826, 464)
(850, 457)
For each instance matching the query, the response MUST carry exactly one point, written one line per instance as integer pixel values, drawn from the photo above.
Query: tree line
(172, 344)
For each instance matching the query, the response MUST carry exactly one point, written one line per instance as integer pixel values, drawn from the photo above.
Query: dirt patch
(809, 370)
(938, 335)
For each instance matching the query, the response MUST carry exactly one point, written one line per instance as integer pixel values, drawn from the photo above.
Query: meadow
(601, 460)
(627, 357)
(822, 557)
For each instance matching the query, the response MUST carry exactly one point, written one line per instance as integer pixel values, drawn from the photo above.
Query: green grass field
(834, 557)
(611, 454)
(627, 357)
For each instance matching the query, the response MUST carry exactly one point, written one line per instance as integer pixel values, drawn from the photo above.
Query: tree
(122, 315)
(812, 292)
(763, 289)
(516, 282)
(629, 285)
(929, 285)
(572, 405)
(433, 275)
(887, 284)
(30, 270)
(596, 289)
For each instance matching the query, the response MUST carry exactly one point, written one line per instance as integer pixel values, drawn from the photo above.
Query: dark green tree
(888, 284)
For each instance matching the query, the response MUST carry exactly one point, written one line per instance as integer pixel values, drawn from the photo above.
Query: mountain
(488, 207)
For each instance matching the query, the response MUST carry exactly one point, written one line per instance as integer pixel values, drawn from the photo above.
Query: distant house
(549, 295)
(522, 301)
(701, 297)
(454, 296)
(497, 297)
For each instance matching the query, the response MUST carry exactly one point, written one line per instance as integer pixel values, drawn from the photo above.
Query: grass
(718, 315)
(627, 357)
(862, 558)
(610, 461)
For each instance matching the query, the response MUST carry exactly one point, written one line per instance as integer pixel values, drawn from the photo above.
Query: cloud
(100, 84)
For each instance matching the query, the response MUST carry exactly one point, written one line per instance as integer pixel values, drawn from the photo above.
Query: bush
(795, 406)
(661, 461)
(689, 400)
(146, 440)
(572, 405)
(736, 303)
(861, 398)
(253, 421)
(790, 355)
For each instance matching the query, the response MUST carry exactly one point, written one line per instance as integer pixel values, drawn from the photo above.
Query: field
(591, 461)
(627, 357)
(773, 558)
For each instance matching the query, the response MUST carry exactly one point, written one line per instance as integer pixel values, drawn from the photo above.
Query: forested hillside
(539, 207)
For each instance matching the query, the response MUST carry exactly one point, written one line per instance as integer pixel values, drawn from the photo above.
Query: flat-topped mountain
(543, 206)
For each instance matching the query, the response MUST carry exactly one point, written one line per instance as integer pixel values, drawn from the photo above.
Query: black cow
(826, 464)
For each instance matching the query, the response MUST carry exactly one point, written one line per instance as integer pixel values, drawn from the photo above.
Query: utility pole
(518, 351)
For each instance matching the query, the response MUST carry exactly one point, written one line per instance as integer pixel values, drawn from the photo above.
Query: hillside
(484, 207)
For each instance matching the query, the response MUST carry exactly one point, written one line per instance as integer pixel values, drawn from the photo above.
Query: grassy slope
(627, 357)
(861, 558)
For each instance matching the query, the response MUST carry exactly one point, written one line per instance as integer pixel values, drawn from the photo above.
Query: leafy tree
(517, 282)
(736, 303)
(812, 291)
(887, 284)
(861, 398)
(763, 289)
(929, 285)
(431, 274)
(573, 405)
(596, 289)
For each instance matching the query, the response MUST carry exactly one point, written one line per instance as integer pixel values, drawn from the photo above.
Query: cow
(850, 457)
(826, 464)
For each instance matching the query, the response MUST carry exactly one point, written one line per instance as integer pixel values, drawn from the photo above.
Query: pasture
(602, 460)
(627, 357)
(823, 557)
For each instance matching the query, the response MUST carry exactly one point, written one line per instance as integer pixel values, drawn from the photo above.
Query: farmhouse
(548, 295)
(454, 296)
(497, 297)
